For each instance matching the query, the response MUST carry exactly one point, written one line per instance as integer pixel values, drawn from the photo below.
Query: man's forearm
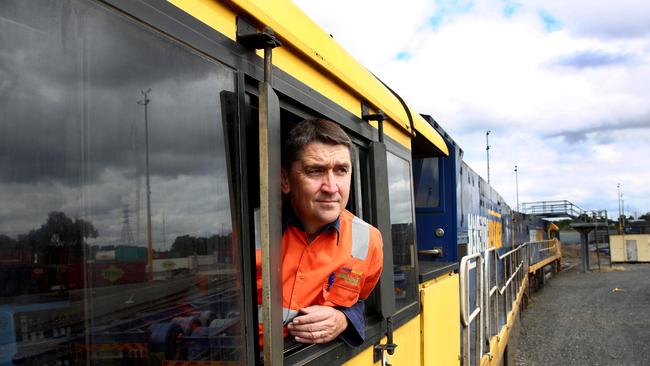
(355, 334)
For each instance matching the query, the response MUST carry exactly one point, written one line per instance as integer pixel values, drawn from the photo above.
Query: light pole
(517, 187)
(145, 103)
(487, 152)
(620, 221)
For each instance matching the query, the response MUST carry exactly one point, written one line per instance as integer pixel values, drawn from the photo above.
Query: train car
(463, 221)
(157, 125)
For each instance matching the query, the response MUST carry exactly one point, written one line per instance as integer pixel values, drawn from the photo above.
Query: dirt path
(595, 318)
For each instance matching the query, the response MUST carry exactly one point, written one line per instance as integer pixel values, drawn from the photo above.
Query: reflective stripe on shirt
(360, 238)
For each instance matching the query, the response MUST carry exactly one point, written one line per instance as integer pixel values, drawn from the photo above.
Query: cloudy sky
(82, 150)
(564, 87)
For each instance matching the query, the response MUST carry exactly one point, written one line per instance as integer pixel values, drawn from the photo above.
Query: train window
(359, 203)
(115, 225)
(426, 182)
(401, 217)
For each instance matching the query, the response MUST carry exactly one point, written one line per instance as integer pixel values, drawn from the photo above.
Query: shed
(630, 247)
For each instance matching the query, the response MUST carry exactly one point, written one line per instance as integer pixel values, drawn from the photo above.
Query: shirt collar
(289, 217)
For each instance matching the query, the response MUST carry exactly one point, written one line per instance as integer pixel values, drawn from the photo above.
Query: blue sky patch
(436, 20)
(550, 23)
(446, 9)
(510, 7)
(403, 56)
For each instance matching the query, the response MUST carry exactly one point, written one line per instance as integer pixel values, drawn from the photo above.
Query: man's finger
(308, 327)
(308, 319)
(313, 314)
(313, 337)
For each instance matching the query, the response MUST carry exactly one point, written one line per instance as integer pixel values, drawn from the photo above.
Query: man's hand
(319, 324)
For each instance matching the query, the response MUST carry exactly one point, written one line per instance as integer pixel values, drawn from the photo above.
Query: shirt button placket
(298, 282)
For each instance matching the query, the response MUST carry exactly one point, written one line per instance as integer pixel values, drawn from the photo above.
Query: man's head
(316, 172)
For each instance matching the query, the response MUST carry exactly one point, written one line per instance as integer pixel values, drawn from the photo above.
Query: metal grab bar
(465, 266)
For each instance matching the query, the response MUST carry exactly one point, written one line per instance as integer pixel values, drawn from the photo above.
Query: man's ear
(284, 181)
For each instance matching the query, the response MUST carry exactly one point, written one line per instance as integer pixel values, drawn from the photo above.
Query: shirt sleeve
(355, 333)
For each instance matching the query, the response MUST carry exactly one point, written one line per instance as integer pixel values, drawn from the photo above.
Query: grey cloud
(613, 28)
(579, 135)
(602, 19)
(72, 134)
(593, 59)
(71, 91)
(76, 37)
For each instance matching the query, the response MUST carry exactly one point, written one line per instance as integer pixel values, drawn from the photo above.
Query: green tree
(59, 234)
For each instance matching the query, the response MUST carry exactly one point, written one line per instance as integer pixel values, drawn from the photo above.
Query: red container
(116, 273)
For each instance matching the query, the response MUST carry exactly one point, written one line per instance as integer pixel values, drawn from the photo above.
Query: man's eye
(342, 170)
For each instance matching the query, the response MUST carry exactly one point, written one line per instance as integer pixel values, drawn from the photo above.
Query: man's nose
(330, 184)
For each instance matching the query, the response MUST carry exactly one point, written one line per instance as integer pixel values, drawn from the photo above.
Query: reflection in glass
(426, 182)
(401, 217)
(76, 283)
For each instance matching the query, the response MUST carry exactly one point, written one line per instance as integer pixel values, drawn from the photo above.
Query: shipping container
(131, 254)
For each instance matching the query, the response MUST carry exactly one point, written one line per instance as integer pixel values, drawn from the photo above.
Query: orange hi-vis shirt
(338, 268)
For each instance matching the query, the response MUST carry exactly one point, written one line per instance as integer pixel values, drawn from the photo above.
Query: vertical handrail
(491, 311)
(468, 318)
(491, 289)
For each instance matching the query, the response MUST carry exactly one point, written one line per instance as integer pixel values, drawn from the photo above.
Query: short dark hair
(312, 130)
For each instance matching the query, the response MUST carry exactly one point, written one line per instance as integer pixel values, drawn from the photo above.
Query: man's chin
(328, 216)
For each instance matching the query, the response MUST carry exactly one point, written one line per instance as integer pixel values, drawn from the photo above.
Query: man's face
(318, 184)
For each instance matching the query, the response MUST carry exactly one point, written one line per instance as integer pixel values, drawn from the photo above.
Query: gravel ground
(595, 318)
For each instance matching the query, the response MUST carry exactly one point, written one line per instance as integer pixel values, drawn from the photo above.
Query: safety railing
(513, 270)
(540, 250)
(497, 286)
(469, 316)
(552, 208)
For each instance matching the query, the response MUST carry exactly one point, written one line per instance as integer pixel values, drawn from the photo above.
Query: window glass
(115, 223)
(401, 217)
(426, 182)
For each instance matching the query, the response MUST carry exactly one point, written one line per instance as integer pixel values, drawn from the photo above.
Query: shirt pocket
(341, 293)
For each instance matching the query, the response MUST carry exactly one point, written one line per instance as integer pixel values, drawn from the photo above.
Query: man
(331, 259)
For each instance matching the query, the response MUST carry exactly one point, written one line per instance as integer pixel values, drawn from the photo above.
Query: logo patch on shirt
(350, 270)
(352, 280)
(351, 276)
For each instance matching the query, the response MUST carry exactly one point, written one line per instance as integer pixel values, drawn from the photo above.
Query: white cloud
(568, 106)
